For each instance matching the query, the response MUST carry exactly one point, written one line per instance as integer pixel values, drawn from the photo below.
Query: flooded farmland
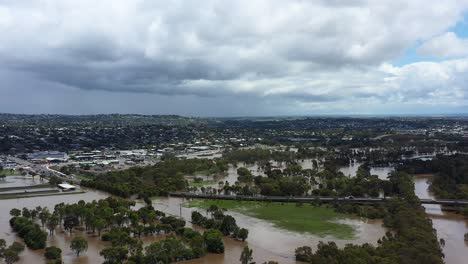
(268, 241)
(264, 237)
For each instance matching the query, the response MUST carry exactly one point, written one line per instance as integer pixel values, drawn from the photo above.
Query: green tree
(2, 246)
(70, 222)
(10, 256)
(52, 223)
(78, 245)
(15, 212)
(99, 224)
(44, 216)
(303, 253)
(197, 218)
(228, 225)
(244, 175)
(246, 255)
(243, 234)
(53, 253)
(17, 247)
(114, 255)
(26, 213)
(214, 241)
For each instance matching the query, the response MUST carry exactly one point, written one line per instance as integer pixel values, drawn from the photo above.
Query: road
(44, 170)
(359, 200)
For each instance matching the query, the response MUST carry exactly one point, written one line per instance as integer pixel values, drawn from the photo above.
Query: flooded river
(267, 241)
(450, 226)
(61, 239)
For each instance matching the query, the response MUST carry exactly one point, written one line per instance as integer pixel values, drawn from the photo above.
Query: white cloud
(447, 45)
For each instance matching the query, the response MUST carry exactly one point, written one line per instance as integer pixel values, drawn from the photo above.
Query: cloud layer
(306, 55)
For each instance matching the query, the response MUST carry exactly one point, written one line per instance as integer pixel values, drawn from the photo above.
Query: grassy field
(314, 220)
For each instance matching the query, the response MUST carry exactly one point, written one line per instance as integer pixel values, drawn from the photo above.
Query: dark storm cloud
(298, 53)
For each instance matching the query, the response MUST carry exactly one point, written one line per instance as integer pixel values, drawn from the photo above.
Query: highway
(349, 199)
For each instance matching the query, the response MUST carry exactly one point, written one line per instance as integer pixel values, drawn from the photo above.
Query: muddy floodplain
(268, 241)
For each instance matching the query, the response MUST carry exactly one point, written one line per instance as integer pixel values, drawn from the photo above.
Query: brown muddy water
(61, 239)
(19, 181)
(450, 226)
(381, 172)
(267, 241)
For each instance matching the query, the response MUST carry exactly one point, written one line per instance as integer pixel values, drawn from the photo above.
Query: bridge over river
(283, 199)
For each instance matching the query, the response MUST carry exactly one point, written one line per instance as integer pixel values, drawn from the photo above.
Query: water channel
(450, 226)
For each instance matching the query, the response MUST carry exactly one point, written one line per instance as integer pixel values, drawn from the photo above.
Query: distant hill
(101, 119)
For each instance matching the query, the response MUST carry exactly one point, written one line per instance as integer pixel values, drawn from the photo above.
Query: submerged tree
(246, 255)
(54, 254)
(78, 245)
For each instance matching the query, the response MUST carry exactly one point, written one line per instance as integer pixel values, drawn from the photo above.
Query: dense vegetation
(226, 224)
(264, 156)
(412, 240)
(31, 232)
(295, 181)
(163, 177)
(122, 227)
(450, 179)
(10, 254)
(251, 156)
(53, 255)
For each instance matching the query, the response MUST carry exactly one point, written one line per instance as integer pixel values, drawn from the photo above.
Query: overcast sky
(234, 58)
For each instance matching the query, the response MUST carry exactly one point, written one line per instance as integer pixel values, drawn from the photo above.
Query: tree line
(114, 221)
(226, 224)
(156, 180)
(295, 181)
(412, 239)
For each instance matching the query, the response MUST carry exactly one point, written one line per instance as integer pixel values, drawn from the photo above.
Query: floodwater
(381, 172)
(19, 181)
(231, 174)
(264, 237)
(450, 226)
(208, 154)
(267, 241)
(61, 239)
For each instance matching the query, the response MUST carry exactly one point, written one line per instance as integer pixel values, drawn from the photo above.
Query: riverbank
(317, 220)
